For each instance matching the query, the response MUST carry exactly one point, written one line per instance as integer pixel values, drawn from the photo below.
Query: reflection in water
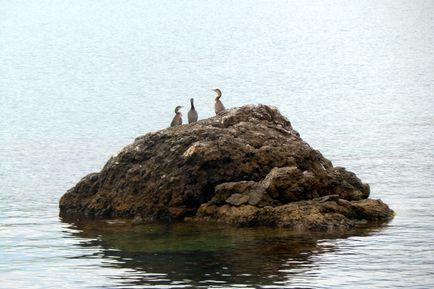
(201, 255)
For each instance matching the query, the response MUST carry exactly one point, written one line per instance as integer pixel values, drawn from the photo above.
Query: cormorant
(192, 113)
(177, 119)
(218, 106)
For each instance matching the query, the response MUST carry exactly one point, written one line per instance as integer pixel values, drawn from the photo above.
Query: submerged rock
(246, 166)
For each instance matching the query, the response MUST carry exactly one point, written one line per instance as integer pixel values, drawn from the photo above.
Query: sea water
(81, 79)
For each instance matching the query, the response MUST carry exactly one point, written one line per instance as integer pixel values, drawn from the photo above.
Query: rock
(287, 184)
(237, 199)
(245, 166)
(322, 214)
(243, 192)
(225, 190)
(137, 220)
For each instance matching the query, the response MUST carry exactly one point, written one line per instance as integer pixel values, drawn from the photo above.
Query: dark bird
(177, 119)
(192, 113)
(218, 106)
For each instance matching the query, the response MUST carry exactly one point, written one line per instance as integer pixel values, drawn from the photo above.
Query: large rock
(246, 166)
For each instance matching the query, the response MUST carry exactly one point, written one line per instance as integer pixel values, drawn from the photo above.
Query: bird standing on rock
(192, 113)
(177, 119)
(218, 106)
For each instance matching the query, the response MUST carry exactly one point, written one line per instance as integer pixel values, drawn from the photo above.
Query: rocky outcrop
(246, 166)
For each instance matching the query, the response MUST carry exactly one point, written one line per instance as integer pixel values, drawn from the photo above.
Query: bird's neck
(219, 94)
(192, 104)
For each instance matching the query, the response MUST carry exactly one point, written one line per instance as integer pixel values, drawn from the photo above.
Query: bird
(218, 106)
(192, 113)
(177, 119)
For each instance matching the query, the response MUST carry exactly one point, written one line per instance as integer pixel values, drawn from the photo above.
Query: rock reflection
(204, 255)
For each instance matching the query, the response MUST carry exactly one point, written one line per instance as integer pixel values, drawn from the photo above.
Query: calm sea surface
(81, 79)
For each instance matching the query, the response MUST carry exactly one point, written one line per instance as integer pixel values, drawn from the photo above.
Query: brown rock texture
(245, 166)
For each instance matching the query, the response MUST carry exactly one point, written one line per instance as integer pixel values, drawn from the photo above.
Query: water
(81, 79)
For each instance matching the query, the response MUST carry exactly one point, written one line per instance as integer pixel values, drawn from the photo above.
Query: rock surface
(246, 166)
